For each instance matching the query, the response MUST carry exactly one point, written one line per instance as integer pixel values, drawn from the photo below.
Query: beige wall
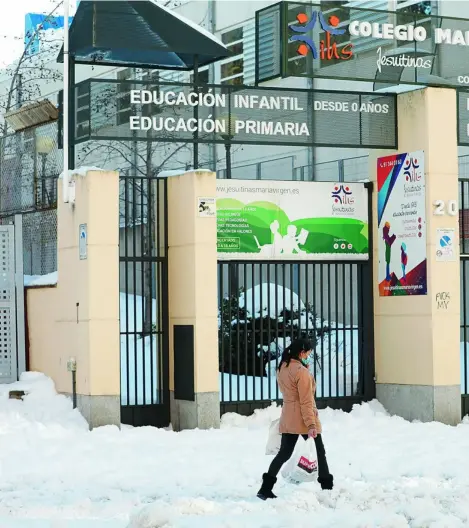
(415, 343)
(54, 333)
(192, 256)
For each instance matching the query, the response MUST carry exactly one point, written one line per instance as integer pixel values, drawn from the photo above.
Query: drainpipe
(311, 150)
(212, 6)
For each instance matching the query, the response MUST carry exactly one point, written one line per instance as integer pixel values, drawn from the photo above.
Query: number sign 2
(442, 208)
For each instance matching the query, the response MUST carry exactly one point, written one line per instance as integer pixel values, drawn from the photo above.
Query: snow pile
(41, 280)
(81, 171)
(180, 172)
(388, 472)
(261, 418)
(41, 405)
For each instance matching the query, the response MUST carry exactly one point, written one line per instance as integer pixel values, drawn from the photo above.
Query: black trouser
(287, 447)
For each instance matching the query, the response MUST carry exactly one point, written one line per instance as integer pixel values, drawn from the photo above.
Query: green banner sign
(270, 220)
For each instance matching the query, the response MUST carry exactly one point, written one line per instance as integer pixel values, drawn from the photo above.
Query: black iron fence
(263, 306)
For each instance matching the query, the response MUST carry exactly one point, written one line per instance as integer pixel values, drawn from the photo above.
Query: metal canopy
(139, 34)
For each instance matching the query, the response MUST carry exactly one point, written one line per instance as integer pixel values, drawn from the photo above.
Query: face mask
(305, 362)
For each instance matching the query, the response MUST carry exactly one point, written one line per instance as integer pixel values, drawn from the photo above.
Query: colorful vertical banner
(402, 225)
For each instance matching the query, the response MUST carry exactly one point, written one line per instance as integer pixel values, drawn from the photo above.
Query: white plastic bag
(303, 465)
(274, 440)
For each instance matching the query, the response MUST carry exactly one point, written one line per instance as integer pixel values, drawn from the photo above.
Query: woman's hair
(294, 350)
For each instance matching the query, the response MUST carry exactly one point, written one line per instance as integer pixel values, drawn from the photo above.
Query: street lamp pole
(44, 146)
(233, 267)
(227, 138)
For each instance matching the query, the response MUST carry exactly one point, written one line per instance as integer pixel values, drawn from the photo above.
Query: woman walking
(299, 416)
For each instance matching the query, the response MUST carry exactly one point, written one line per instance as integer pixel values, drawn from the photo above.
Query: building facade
(234, 23)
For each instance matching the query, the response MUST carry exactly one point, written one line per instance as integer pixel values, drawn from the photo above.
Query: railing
(284, 168)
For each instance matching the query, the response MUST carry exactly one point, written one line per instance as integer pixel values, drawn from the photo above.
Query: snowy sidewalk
(388, 472)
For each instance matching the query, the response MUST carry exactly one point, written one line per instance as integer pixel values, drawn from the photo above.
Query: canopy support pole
(72, 113)
(65, 101)
(196, 113)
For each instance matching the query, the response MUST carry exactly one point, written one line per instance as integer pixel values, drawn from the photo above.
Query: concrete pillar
(193, 307)
(87, 307)
(417, 336)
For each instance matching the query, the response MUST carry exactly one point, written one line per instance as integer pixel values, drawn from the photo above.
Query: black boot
(327, 483)
(268, 483)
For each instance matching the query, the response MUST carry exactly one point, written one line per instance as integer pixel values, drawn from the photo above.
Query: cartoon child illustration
(389, 241)
(276, 236)
(291, 240)
(403, 260)
(286, 245)
(273, 248)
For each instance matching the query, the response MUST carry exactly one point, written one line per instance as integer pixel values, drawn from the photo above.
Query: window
(339, 9)
(233, 39)
(421, 8)
(232, 69)
(414, 14)
(236, 81)
(83, 110)
(123, 109)
(298, 64)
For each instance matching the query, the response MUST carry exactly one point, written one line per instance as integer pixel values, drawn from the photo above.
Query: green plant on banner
(249, 226)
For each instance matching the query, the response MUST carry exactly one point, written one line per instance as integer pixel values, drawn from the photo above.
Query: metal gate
(143, 276)
(12, 335)
(265, 305)
(330, 303)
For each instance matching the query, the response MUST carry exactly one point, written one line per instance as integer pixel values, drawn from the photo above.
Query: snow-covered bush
(255, 325)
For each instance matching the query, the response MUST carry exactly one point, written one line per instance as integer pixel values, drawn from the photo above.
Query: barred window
(232, 69)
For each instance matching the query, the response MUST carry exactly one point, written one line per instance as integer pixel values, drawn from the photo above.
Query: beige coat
(299, 412)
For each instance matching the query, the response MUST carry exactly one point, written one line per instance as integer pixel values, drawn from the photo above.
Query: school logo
(303, 33)
(342, 195)
(411, 172)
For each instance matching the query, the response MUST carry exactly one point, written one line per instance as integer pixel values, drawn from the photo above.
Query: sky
(12, 26)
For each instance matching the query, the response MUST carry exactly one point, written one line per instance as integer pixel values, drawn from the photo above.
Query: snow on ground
(389, 473)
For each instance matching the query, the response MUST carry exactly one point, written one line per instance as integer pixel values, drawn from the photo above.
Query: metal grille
(39, 241)
(8, 354)
(143, 302)
(30, 163)
(463, 118)
(240, 115)
(264, 306)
